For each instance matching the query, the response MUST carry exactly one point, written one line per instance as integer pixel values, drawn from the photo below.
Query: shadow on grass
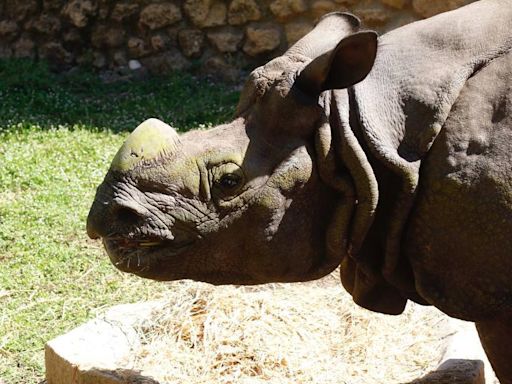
(31, 95)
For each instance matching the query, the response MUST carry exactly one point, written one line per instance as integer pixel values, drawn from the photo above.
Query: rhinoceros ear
(347, 64)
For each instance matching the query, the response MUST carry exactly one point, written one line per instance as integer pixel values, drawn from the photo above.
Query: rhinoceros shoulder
(459, 241)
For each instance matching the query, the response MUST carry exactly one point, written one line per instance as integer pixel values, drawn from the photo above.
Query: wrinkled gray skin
(401, 174)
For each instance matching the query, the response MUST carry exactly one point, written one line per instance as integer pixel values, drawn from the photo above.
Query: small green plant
(57, 138)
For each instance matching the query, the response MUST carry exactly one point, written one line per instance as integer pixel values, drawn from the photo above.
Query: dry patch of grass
(285, 333)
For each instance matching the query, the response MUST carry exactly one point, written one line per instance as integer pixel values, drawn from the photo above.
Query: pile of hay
(285, 333)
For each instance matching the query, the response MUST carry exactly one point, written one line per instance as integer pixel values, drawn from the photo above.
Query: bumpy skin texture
(404, 179)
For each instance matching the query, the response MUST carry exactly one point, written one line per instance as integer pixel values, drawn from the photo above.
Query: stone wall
(209, 36)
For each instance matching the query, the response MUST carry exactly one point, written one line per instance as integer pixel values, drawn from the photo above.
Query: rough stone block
(206, 13)
(226, 40)
(322, 7)
(55, 53)
(464, 343)
(79, 11)
(138, 47)
(373, 17)
(456, 372)
(261, 39)
(159, 42)
(105, 36)
(191, 42)
(95, 351)
(8, 29)
(399, 4)
(157, 16)
(53, 4)
(20, 10)
(166, 62)
(46, 24)
(285, 9)
(24, 48)
(123, 11)
(242, 11)
(217, 67)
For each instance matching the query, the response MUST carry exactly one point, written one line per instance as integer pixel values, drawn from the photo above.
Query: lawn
(57, 137)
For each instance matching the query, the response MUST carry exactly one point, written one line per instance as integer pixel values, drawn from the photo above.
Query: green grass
(30, 94)
(57, 137)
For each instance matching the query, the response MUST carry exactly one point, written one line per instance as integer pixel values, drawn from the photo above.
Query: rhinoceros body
(391, 157)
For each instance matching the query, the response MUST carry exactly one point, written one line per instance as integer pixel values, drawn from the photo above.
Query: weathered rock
(138, 47)
(101, 350)
(93, 352)
(20, 10)
(157, 16)
(242, 11)
(5, 51)
(261, 39)
(99, 60)
(85, 58)
(399, 4)
(464, 343)
(123, 11)
(134, 65)
(295, 30)
(206, 13)
(159, 42)
(373, 17)
(53, 4)
(120, 59)
(322, 7)
(8, 30)
(79, 11)
(191, 42)
(218, 68)
(105, 36)
(46, 24)
(140, 28)
(103, 9)
(456, 372)
(72, 37)
(24, 48)
(166, 62)
(226, 40)
(55, 53)
(428, 8)
(285, 9)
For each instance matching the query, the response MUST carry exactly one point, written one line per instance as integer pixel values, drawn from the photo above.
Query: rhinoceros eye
(228, 178)
(230, 181)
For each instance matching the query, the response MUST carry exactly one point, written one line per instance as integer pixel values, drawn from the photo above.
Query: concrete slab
(100, 351)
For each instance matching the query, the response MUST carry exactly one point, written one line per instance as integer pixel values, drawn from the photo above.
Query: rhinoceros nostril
(126, 215)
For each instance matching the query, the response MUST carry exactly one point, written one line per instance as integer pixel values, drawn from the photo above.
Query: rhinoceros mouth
(139, 254)
(129, 243)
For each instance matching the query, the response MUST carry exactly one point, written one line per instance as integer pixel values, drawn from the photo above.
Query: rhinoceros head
(245, 202)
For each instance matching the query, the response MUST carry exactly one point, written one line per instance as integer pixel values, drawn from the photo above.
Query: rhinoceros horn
(151, 140)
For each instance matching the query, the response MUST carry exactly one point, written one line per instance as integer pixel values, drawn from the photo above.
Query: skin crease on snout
(389, 157)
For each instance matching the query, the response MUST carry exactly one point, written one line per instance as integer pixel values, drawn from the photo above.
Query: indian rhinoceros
(390, 157)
